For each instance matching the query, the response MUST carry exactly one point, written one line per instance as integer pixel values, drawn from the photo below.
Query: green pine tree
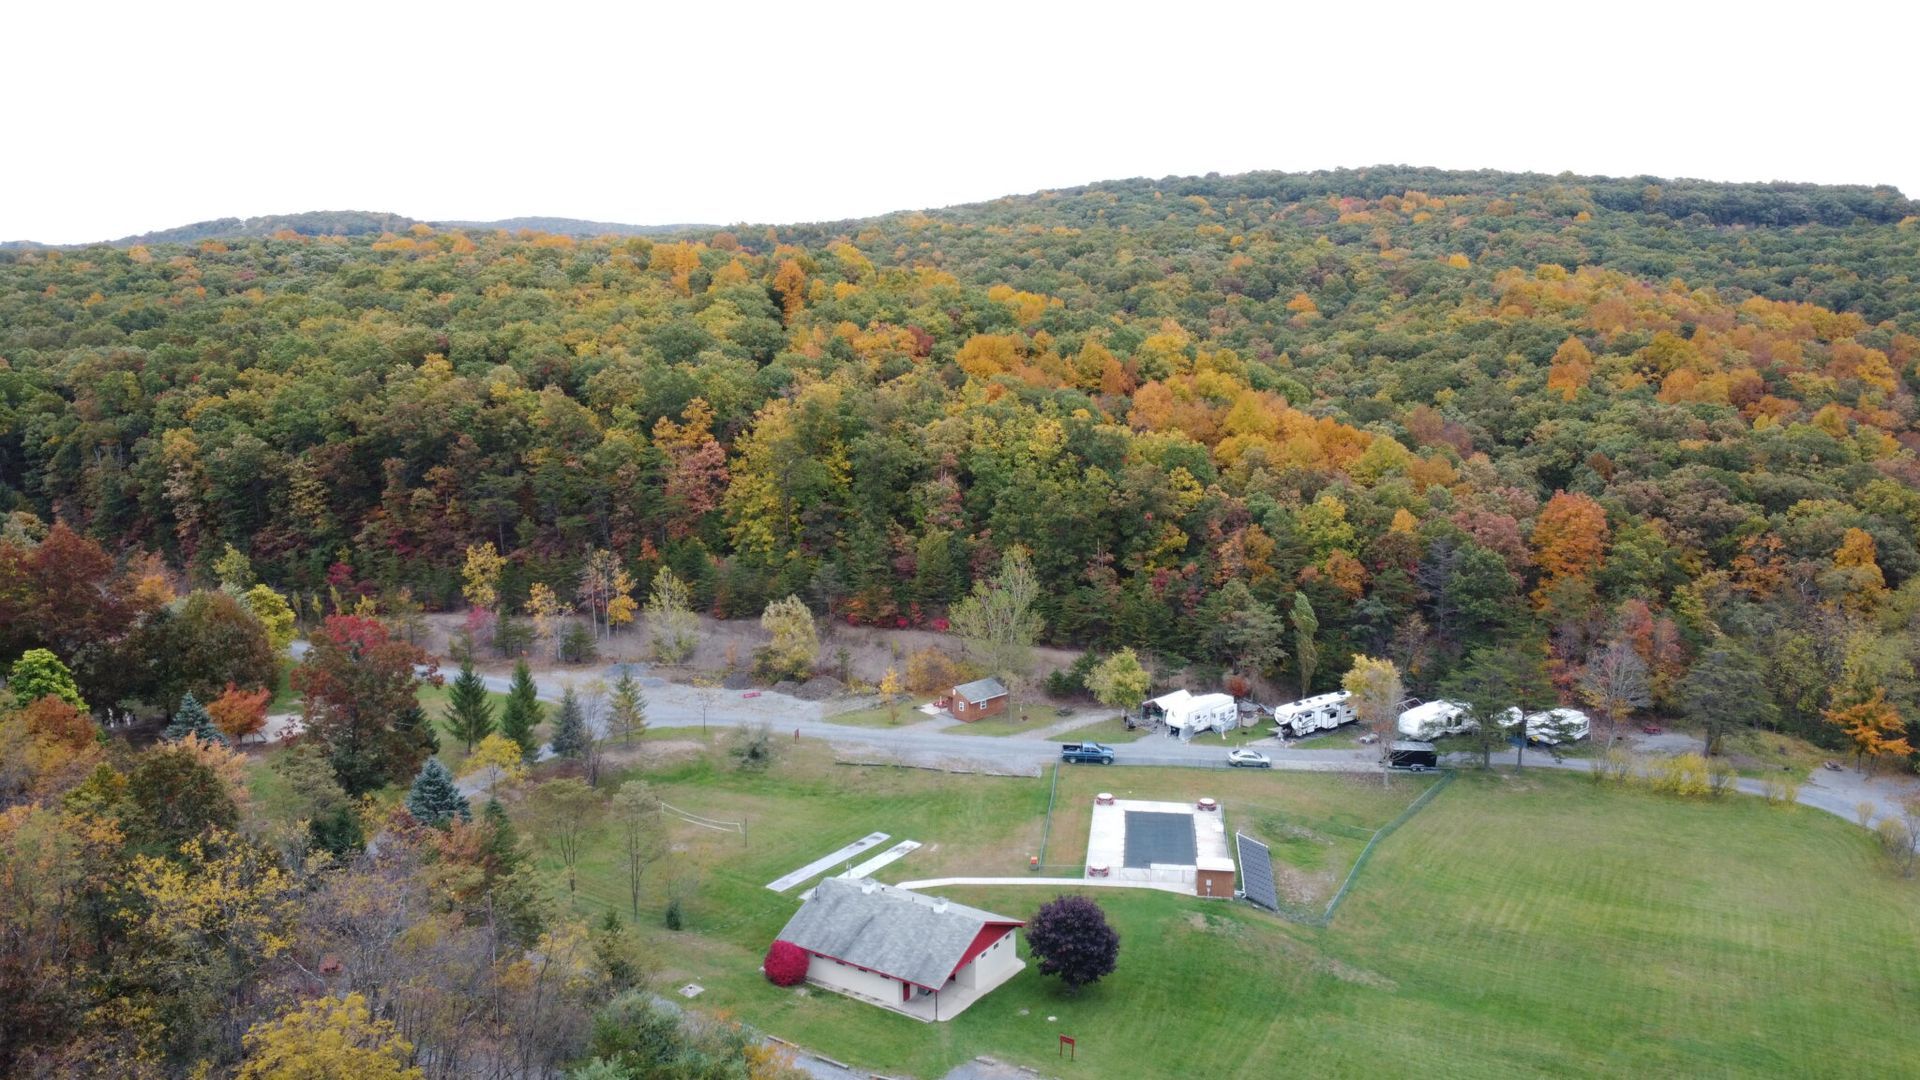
(570, 732)
(416, 731)
(627, 708)
(469, 715)
(523, 711)
(433, 799)
(192, 719)
(502, 842)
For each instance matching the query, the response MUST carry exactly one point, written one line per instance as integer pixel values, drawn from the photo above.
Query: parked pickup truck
(1086, 751)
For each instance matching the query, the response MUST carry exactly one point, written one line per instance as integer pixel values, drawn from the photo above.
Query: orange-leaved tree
(239, 713)
(1569, 540)
(1874, 726)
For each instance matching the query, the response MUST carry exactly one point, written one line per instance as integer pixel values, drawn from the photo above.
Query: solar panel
(1158, 838)
(1256, 872)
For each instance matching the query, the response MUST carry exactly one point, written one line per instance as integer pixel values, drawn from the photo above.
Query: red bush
(786, 964)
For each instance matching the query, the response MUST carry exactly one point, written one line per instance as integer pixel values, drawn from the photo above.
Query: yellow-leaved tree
(890, 687)
(497, 760)
(1572, 367)
(274, 613)
(328, 1038)
(481, 576)
(546, 607)
(1377, 691)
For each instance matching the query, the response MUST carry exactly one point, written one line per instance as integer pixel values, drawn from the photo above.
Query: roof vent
(939, 904)
(868, 886)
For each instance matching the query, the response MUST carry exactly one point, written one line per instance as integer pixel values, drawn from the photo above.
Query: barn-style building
(921, 955)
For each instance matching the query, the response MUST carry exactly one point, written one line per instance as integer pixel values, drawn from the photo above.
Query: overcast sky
(125, 119)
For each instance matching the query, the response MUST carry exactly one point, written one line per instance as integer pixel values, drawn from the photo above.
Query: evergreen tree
(570, 732)
(433, 799)
(523, 711)
(469, 715)
(519, 894)
(627, 708)
(576, 645)
(502, 841)
(193, 719)
(414, 729)
(336, 830)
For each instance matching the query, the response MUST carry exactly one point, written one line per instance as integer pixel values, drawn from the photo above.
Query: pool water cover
(1159, 838)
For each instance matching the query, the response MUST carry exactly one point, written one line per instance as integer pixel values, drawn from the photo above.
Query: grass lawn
(1007, 724)
(1340, 738)
(1110, 730)
(1525, 925)
(877, 716)
(1765, 753)
(285, 698)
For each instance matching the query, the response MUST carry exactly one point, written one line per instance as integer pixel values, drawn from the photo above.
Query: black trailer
(1412, 756)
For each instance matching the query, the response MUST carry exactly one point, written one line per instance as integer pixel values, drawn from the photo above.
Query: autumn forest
(1646, 446)
(1452, 410)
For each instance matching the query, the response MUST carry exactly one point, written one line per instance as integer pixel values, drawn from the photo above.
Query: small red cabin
(978, 699)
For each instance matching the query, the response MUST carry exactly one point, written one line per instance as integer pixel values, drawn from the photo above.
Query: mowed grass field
(1516, 926)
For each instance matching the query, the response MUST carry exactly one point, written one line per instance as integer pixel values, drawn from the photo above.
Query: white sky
(122, 119)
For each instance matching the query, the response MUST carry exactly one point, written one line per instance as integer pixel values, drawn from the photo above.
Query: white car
(1249, 759)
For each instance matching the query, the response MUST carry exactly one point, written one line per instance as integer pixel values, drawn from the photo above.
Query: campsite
(1459, 941)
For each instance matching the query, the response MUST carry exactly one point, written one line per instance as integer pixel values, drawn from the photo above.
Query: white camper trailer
(1552, 727)
(1435, 718)
(1188, 715)
(1321, 712)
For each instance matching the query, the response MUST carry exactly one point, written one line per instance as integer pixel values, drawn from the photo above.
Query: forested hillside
(1453, 411)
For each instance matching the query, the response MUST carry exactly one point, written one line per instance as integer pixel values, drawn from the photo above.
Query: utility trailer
(1412, 756)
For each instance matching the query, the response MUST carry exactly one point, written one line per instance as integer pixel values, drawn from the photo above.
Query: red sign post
(1067, 1048)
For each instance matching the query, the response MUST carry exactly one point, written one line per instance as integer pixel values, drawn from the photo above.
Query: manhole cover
(692, 990)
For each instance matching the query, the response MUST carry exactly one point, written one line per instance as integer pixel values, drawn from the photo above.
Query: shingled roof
(980, 690)
(914, 938)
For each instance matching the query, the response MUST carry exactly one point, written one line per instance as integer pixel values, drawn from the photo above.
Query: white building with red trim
(921, 955)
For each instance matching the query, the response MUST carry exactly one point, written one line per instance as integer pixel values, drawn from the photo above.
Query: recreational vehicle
(1187, 715)
(1552, 727)
(1434, 719)
(1322, 712)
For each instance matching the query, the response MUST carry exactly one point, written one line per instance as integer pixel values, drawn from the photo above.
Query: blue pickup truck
(1086, 751)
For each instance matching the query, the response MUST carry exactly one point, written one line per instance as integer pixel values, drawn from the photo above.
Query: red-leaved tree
(786, 964)
(1071, 937)
(359, 682)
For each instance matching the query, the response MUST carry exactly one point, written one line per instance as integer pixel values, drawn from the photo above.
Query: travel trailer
(1322, 712)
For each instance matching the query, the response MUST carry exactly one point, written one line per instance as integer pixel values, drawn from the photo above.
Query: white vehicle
(1322, 712)
(1433, 719)
(1552, 727)
(1187, 715)
(1249, 759)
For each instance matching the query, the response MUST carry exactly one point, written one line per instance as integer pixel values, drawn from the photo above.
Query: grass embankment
(1514, 926)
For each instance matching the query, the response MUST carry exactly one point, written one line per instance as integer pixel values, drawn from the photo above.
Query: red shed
(978, 699)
